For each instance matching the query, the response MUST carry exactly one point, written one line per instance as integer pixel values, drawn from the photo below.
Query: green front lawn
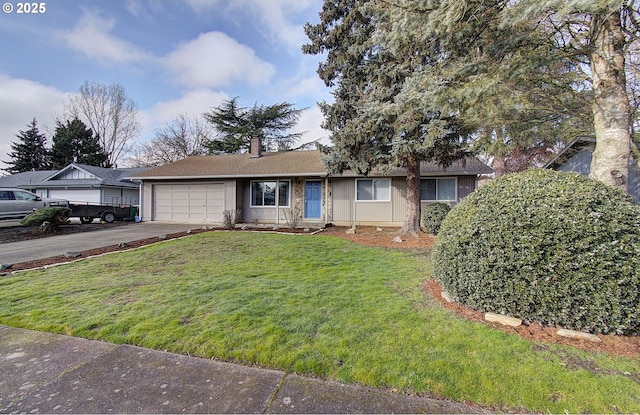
(313, 305)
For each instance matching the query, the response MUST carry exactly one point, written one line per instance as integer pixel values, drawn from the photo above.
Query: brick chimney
(256, 147)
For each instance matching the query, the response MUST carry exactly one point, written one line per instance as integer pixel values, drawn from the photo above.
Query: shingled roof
(285, 164)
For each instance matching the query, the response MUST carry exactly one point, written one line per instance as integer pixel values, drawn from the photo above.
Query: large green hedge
(549, 247)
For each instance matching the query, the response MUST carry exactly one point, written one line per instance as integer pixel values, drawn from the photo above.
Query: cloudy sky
(172, 57)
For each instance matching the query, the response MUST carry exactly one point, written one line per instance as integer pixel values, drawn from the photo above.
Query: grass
(317, 306)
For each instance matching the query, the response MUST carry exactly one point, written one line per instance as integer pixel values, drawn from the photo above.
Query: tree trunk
(610, 163)
(412, 220)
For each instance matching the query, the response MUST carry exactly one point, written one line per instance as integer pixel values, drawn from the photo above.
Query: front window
(267, 193)
(438, 189)
(373, 189)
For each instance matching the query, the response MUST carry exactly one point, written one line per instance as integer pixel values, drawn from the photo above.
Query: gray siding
(399, 199)
(347, 211)
(119, 196)
(581, 163)
(343, 198)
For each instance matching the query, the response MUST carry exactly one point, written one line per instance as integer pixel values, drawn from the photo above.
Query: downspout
(140, 193)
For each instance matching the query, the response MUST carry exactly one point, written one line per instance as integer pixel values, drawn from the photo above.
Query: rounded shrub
(432, 216)
(50, 218)
(555, 248)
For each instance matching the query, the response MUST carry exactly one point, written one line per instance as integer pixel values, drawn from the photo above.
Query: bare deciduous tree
(181, 137)
(110, 113)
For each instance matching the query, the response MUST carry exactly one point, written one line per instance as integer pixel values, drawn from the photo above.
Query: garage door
(76, 195)
(189, 203)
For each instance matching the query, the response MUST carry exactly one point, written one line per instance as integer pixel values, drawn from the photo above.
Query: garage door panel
(76, 195)
(195, 203)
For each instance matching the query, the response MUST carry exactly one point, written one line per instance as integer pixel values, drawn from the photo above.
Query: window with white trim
(268, 192)
(438, 189)
(373, 189)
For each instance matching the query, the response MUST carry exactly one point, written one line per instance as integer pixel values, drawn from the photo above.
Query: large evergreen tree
(237, 125)
(533, 68)
(30, 153)
(73, 142)
(511, 110)
(374, 124)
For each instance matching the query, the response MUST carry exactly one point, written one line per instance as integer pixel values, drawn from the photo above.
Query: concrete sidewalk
(16, 252)
(49, 373)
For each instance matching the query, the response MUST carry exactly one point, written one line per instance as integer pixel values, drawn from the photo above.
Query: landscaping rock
(578, 335)
(397, 239)
(351, 231)
(502, 319)
(163, 237)
(379, 229)
(446, 296)
(5, 266)
(72, 254)
(306, 230)
(188, 231)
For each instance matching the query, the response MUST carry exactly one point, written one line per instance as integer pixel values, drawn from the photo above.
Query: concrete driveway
(16, 252)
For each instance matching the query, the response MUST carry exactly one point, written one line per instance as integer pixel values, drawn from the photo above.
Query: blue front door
(312, 199)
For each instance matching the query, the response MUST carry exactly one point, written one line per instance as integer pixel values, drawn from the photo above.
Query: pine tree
(30, 153)
(530, 69)
(73, 142)
(374, 122)
(237, 125)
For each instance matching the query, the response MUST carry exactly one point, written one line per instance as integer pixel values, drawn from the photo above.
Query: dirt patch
(380, 237)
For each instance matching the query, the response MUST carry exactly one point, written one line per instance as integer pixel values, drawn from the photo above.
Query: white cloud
(20, 101)
(310, 122)
(215, 60)
(91, 36)
(194, 102)
(281, 20)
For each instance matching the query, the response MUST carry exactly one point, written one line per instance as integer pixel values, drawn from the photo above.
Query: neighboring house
(79, 183)
(264, 188)
(576, 157)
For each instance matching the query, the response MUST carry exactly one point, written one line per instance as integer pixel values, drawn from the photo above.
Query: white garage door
(76, 195)
(189, 203)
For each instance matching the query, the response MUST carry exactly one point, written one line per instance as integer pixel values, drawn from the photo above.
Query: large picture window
(267, 193)
(438, 189)
(373, 189)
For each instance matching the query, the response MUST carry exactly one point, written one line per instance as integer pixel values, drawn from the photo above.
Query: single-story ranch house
(576, 157)
(266, 187)
(80, 183)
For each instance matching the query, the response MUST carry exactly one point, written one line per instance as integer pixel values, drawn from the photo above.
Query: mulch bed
(628, 346)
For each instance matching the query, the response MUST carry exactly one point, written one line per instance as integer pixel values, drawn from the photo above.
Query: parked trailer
(108, 213)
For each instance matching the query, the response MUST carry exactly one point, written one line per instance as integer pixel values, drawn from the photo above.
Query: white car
(18, 203)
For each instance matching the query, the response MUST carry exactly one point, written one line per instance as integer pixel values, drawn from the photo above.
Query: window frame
(437, 179)
(372, 180)
(276, 195)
